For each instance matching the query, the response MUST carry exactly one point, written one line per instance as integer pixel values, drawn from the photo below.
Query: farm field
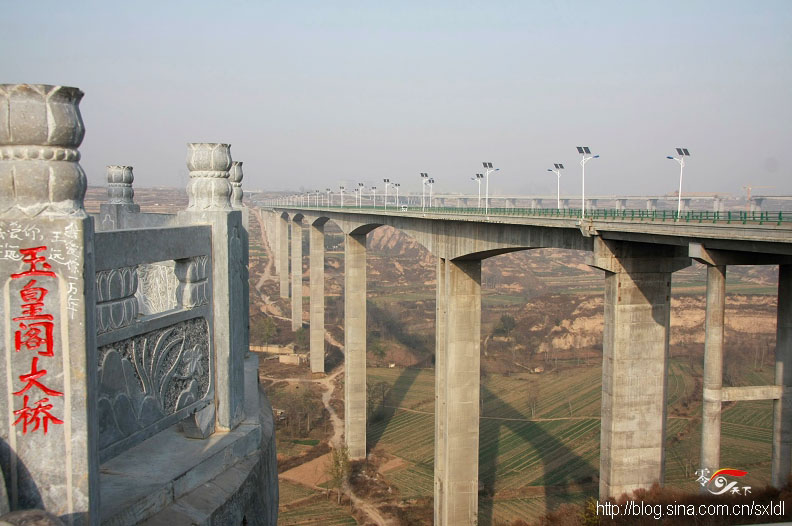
(301, 506)
(539, 436)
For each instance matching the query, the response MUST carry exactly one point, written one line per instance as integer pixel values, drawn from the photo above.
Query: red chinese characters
(35, 333)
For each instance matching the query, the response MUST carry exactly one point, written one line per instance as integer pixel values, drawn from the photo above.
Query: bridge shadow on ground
(383, 414)
(563, 472)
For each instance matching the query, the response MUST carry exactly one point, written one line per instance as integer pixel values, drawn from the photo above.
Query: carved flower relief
(146, 378)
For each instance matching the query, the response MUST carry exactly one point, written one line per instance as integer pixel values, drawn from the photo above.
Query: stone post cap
(41, 115)
(235, 175)
(209, 187)
(119, 185)
(117, 174)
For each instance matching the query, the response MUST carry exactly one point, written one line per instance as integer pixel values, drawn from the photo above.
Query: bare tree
(338, 469)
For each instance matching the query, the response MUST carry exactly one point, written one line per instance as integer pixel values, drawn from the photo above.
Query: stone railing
(124, 335)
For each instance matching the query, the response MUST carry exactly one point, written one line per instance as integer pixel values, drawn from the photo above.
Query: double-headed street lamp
(682, 152)
(341, 188)
(488, 170)
(374, 195)
(360, 194)
(557, 171)
(328, 197)
(387, 184)
(424, 179)
(584, 151)
(478, 179)
(431, 186)
(396, 186)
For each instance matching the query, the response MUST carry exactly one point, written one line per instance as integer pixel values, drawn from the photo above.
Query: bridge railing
(777, 218)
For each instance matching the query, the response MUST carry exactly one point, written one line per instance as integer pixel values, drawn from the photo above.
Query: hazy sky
(313, 94)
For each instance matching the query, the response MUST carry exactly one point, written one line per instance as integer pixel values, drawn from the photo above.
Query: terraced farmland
(313, 509)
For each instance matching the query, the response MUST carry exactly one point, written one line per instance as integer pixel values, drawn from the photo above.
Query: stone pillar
(456, 490)
(355, 344)
(120, 196)
(296, 273)
(782, 409)
(440, 393)
(283, 255)
(713, 368)
(235, 176)
(209, 193)
(634, 363)
(48, 433)
(316, 265)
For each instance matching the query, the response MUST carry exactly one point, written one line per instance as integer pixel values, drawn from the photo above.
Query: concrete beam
(317, 254)
(710, 256)
(781, 460)
(355, 344)
(635, 364)
(296, 273)
(457, 502)
(751, 392)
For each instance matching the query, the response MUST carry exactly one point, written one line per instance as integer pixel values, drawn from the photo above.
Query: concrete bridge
(639, 257)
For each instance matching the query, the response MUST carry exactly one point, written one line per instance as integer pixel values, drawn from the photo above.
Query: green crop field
(534, 462)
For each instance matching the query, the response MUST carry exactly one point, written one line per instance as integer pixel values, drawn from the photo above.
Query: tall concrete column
(441, 315)
(48, 389)
(355, 344)
(283, 255)
(713, 368)
(457, 502)
(782, 409)
(296, 273)
(317, 253)
(635, 360)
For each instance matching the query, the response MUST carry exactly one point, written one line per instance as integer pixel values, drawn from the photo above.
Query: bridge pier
(458, 385)
(355, 344)
(316, 264)
(622, 204)
(283, 255)
(782, 408)
(713, 367)
(651, 204)
(296, 273)
(634, 363)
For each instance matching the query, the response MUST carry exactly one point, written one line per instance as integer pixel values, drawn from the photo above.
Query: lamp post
(424, 178)
(374, 195)
(387, 184)
(360, 194)
(431, 186)
(318, 193)
(329, 203)
(557, 171)
(584, 151)
(488, 170)
(341, 189)
(396, 186)
(682, 152)
(478, 179)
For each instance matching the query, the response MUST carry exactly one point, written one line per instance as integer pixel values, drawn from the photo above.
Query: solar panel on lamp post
(557, 171)
(584, 151)
(488, 170)
(682, 152)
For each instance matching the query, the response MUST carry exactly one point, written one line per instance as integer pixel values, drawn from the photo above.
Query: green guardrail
(776, 218)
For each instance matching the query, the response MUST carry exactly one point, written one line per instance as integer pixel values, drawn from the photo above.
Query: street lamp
(341, 188)
(431, 186)
(360, 194)
(488, 170)
(584, 151)
(317, 198)
(396, 186)
(374, 195)
(387, 184)
(682, 152)
(557, 171)
(478, 179)
(328, 197)
(424, 178)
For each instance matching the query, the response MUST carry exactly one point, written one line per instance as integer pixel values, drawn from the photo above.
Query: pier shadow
(383, 415)
(562, 467)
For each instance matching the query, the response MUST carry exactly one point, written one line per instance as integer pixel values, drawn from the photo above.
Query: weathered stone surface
(30, 518)
(48, 433)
